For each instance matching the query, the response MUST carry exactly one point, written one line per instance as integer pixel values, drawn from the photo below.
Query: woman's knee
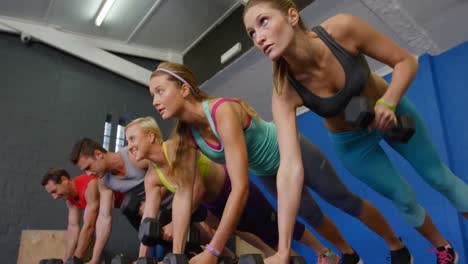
(412, 211)
(310, 212)
(350, 204)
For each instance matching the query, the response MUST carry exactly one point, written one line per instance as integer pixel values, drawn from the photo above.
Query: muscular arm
(182, 203)
(374, 44)
(198, 186)
(73, 229)
(104, 220)
(89, 218)
(153, 190)
(290, 175)
(230, 129)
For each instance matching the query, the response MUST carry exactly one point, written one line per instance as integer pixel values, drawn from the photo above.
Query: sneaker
(401, 256)
(329, 257)
(446, 255)
(351, 259)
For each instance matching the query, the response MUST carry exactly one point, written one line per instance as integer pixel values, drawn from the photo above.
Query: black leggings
(320, 176)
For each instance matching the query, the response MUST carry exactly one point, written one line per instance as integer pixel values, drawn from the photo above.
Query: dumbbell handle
(360, 113)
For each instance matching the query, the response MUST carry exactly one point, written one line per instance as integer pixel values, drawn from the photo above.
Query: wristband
(386, 103)
(213, 250)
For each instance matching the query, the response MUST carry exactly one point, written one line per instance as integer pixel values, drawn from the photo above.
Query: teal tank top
(260, 137)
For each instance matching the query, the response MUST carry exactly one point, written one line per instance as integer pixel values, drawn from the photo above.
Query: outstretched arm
(89, 218)
(374, 44)
(290, 176)
(73, 230)
(182, 202)
(104, 220)
(230, 128)
(153, 192)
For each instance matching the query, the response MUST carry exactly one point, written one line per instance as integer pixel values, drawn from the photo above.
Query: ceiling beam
(106, 44)
(217, 22)
(401, 22)
(133, 49)
(80, 48)
(143, 20)
(5, 28)
(49, 10)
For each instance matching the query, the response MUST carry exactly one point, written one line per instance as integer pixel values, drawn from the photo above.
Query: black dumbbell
(360, 112)
(121, 260)
(404, 129)
(51, 261)
(146, 260)
(150, 233)
(74, 260)
(258, 259)
(130, 204)
(175, 259)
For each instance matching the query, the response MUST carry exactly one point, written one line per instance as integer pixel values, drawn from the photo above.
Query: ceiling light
(231, 52)
(103, 12)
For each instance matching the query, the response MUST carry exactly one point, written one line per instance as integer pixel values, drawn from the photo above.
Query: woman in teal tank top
(212, 186)
(229, 131)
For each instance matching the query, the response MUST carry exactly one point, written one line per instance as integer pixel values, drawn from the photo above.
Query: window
(107, 132)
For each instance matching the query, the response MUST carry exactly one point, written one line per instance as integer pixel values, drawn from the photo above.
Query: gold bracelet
(386, 103)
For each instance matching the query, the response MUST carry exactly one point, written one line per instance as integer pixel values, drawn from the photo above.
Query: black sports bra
(356, 72)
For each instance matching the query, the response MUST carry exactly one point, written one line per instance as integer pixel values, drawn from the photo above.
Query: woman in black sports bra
(322, 70)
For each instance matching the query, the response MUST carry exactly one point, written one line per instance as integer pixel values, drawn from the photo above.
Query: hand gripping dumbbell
(51, 261)
(151, 233)
(258, 259)
(360, 112)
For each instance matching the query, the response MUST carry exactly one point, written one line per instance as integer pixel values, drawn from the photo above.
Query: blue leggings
(365, 159)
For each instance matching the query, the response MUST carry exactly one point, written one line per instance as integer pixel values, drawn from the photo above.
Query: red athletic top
(81, 183)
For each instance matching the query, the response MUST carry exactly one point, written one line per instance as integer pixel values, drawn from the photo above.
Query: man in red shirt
(80, 194)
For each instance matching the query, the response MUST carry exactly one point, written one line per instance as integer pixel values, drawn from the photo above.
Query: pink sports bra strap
(218, 103)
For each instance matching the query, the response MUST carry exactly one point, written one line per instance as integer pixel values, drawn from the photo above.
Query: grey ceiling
(168, 26)
(173, 25)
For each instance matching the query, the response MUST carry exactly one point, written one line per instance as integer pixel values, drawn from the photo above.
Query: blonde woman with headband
(229, 131)
(212, 186)
(322, 70)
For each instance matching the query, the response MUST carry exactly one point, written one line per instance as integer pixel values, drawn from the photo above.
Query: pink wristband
(213, 250)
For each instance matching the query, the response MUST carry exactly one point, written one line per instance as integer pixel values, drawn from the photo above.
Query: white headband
(178, 77)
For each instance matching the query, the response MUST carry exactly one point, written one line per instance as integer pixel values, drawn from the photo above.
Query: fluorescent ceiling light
(103, 12)
(231, 52)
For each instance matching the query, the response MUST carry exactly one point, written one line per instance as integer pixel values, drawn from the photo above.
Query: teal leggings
(365, 159)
